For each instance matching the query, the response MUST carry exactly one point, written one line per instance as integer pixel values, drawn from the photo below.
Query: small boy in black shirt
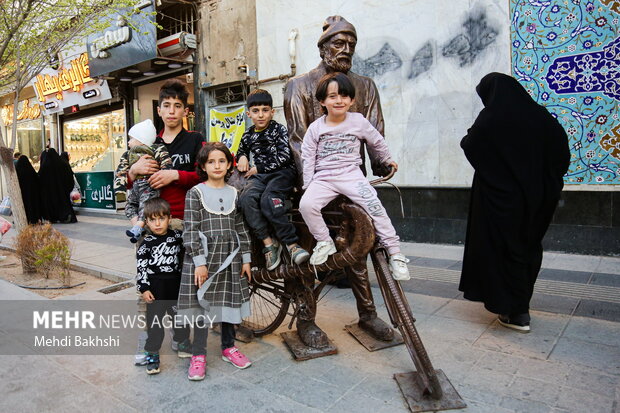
(270, 180)
(159, 261)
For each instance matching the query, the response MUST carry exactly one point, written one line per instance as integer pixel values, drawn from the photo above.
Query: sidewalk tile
(577, 400)
(535, 390)
(608, 280)
(599, 310)
(596, 331)
(466, 311)
(564, 275)
(529, 406)
(599, 356)
(356, 402)
(553, 303)
(594, 380)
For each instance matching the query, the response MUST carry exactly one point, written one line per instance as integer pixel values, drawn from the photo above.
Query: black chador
(30, 188)
(520, 153)
(56, 179)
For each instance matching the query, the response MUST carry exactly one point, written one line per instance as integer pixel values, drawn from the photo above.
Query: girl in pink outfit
(331, 166)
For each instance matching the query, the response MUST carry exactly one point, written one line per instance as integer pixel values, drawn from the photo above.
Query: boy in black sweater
(270, 180)
(159, 261)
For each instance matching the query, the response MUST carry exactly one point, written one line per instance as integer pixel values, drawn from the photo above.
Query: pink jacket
(336, 147)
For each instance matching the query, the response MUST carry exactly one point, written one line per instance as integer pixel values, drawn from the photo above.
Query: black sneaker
(152, 363)
(518, 322)
(184, 349)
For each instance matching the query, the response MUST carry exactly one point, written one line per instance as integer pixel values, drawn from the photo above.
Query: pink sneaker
(237, 358)
(197, 368)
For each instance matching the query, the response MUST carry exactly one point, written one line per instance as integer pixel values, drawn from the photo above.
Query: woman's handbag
(5, 206)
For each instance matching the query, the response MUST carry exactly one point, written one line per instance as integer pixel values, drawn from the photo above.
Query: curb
(94, 270)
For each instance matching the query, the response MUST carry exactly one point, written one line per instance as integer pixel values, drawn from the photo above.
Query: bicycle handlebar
(385, 178)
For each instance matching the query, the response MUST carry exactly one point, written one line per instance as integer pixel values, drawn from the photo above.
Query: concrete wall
(426, 57)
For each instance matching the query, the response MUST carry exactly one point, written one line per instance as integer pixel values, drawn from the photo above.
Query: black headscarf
(30, 188)
(65, 156)
(56, 185)
(520, 154)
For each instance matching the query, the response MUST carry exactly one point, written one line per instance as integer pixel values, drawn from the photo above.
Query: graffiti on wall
(567, 56)
(477, 34)
(384, 61)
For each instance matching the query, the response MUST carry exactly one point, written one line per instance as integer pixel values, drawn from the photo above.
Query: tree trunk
(15, 193)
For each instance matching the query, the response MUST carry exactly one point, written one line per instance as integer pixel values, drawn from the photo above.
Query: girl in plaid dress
(216, 267)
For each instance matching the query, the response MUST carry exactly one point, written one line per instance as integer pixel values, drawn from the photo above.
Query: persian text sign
(97, 189)
(227, 127)
(71, 78)
(26, 112)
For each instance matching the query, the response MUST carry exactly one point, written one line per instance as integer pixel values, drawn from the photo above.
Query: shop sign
(97, 189)
(110, 39)
(72, 84)
(69, 78)
(26, 112)
(127, 44)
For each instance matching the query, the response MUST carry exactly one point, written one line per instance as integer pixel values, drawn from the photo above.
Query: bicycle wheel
(401, 316)
(269, 303)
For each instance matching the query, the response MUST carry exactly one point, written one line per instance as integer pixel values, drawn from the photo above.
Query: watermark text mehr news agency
(53, 319)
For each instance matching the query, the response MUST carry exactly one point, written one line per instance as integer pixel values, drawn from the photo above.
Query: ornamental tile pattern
(567, 56)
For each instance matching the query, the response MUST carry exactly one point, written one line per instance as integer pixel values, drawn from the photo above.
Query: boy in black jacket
(159, 260)
(270, 180)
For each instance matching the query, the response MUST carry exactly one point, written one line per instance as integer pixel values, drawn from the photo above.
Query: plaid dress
(213, 213)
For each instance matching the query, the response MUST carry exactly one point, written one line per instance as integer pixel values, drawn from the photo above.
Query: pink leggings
(327, 185)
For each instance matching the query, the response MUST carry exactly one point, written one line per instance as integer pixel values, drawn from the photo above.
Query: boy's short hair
(156, 207)
(259, 97)
(345, 87)
(174, 89)
(203, 156)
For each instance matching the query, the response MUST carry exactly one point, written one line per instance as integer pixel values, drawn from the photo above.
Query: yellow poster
(227, 127)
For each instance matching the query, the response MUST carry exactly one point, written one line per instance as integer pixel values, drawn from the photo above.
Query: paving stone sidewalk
(568, 363)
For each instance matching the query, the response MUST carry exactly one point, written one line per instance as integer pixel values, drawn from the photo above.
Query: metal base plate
(371, 343)
(301, 351)
(410, 388)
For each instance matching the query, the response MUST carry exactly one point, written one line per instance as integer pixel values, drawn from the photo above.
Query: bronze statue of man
(336, 46)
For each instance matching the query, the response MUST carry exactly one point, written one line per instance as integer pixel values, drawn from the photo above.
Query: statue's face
(337, 52)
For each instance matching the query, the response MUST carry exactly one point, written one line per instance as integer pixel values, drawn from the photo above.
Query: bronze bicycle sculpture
(272, 298)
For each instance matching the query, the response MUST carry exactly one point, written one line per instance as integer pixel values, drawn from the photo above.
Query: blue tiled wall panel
(567, 55)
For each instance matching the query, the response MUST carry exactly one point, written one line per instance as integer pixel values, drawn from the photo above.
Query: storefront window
(30, 140)
(95, 143)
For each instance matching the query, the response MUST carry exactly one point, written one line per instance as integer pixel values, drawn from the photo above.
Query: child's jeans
(199, 347)
(350, 182)
(263, 204)
(166, 292)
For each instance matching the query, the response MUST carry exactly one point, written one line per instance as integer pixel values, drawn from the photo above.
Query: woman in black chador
(30, 188)
(520, 154)
(56, 186)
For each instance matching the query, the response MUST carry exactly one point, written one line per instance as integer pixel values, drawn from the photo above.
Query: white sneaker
(398, 266)
(322, 251)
